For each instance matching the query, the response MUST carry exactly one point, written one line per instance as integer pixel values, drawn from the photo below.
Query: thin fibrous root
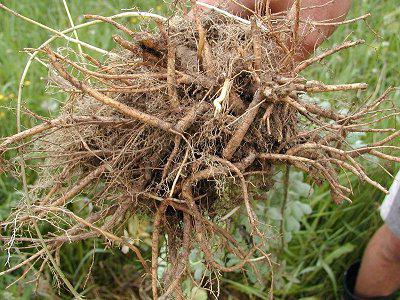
(122, 108)
(305, 64)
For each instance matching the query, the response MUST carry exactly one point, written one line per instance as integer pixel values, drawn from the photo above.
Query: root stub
(141, 131)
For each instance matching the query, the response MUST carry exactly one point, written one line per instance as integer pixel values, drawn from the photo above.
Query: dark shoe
(350, 282)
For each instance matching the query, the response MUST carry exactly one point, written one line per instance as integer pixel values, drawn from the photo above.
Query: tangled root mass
(170, 116)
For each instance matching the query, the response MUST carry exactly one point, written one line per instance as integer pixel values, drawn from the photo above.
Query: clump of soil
(176, 121)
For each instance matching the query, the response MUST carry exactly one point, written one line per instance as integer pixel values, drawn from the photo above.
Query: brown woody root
(203, 101)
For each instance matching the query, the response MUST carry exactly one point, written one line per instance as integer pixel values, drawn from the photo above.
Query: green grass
(330, 239)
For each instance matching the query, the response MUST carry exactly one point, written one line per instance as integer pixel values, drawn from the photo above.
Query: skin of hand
(379, 274)
(311, 10)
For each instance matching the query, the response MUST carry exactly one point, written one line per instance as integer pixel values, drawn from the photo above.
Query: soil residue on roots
(177, 120)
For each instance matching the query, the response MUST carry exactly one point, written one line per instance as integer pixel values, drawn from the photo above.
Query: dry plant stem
(200, 230)
(372, 106)
(73, 235)
(251, 215)
(122, 108)
(81, 185)
(172, 252)
(242, 129)
(334, 184)
(101, 231)
(296, 27)
(244, 7)
(33, 56)
(172, 156)
(385, 156)
(316, 87)
(25, 272)
(171, 79)
(183, 259)
(359, 172)
(255, 31)
(267, 115)
(185, 158)
(128, 89)
(325, 113)
(203, 48)
(135, 49)
(23, 263)
(57, 185)
(112, 22)
(368, 148)
(111, 71)
(209, 256)
(61, 34)
(223, 12)
(363, 17)
(110, 76)
(59, 122)
(202, 36)
(182, 125)
(154, 247)
(25, 134)
(284, 204)
(305, 64)
(27, 68)
(92, 60)
(222, 232)
(71, 22)
(42, 243)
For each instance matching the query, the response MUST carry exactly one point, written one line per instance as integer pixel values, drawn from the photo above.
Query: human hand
(311, 36)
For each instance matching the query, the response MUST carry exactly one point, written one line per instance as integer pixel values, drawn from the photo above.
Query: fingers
(313, 14)
(242, 8)
(280, 5)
